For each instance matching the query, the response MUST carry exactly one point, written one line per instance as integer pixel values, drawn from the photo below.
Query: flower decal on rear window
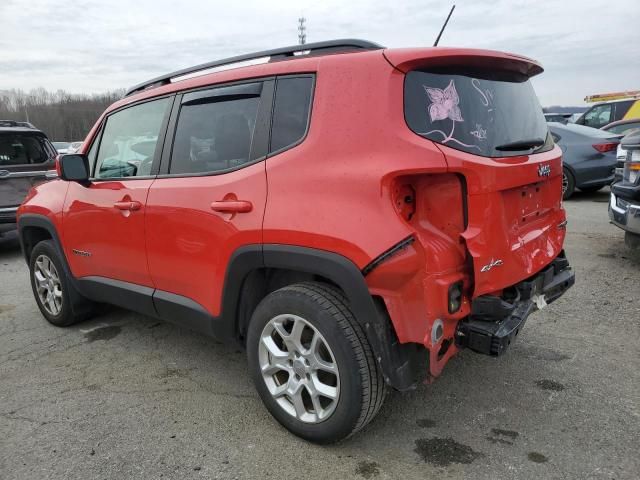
(444, 103)
(443, 106)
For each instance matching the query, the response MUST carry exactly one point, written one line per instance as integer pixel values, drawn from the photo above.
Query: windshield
(23, 149)
(488, 114)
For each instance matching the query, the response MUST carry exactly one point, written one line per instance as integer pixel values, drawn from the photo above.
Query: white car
(62, 147)
(74, 147)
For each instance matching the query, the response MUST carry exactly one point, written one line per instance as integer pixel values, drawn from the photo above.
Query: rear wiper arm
(521, 145)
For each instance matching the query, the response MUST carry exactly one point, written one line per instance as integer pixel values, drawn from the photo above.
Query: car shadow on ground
(9, 246)
(601, 196)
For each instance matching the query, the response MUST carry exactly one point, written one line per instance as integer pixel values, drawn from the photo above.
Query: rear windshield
(476, 113)
(24, 149)
(588, 131)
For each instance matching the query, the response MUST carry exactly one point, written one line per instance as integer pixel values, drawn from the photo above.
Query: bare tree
(63, 116)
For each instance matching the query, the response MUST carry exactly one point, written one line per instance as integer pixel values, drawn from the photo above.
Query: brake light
(605, 147)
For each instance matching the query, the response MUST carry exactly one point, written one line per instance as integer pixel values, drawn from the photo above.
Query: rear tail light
(605, 147)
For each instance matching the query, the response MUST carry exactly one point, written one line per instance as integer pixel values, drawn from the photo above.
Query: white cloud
(585, 46)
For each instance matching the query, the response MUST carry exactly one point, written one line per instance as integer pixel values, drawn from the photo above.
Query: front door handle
(130, 206)
(232, 206)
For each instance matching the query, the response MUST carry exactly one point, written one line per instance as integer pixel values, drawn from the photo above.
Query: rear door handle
(232, 206)
(130, 206)
(4, 173)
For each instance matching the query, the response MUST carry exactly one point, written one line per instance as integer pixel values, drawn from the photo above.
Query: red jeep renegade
(351, 214)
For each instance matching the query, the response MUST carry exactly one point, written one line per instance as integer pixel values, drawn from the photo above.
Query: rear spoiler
(407, 59)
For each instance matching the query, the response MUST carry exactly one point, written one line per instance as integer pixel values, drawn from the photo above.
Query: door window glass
(129, 140)
(214, 136)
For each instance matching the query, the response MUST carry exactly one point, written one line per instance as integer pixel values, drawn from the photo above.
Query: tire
(568, 184)
(356, 391)
(47, 270)
(591, 189)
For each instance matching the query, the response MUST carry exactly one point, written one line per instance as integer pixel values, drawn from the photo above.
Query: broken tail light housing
(455, 297)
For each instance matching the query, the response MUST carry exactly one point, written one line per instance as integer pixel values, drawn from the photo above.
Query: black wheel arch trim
(43, 222)
(27, 220)
(402, 365)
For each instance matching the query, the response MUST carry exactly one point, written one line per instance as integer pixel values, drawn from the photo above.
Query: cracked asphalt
(126, 396)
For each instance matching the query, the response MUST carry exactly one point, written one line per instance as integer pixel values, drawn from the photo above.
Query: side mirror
(73, 168)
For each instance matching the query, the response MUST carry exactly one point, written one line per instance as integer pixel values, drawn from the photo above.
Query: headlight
(633, 165)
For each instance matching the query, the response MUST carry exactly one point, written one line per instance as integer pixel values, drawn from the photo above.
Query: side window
(214, 134)
(621, 109)
(129, 140)
(598, 116)
(291, 111)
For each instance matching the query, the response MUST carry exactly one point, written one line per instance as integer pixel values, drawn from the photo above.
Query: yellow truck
(611, 107)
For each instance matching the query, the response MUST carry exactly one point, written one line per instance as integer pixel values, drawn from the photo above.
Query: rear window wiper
(521, 145)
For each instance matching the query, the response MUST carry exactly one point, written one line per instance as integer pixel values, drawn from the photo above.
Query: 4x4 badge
(544, 170)
(491, 264)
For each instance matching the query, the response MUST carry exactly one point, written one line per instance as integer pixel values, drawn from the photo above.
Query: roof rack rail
(14, 123)
(318, 48)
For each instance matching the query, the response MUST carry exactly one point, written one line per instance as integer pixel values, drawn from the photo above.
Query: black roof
(32, 131)
(15, 123)
(284, 53)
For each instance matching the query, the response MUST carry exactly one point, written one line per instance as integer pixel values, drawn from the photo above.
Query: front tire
(52, 288)
(312, 364)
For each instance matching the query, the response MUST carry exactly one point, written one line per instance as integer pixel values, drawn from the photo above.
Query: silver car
(26, 158)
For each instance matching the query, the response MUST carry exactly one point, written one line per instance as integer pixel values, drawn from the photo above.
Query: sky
(86, 46)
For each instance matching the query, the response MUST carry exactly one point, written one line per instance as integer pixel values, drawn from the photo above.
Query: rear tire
(568, 183)
(303, 338)
(53, 289)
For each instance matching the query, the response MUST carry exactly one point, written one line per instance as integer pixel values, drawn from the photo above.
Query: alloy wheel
(48, 285)
(565, 183)
(299, 368)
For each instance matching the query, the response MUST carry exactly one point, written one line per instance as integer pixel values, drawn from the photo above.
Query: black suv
(27, 157)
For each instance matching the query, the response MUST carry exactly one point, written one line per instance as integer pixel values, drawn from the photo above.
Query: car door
(210, 195)
(26, 159)
(103, 222)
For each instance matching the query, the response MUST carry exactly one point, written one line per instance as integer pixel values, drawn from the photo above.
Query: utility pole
(302, 31)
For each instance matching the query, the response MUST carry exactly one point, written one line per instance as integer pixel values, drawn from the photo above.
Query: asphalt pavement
(126, 396)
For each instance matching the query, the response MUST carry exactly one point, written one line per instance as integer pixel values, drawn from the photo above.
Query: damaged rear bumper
(496, 321)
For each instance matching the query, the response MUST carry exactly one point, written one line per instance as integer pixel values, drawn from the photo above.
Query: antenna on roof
(444, 26)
